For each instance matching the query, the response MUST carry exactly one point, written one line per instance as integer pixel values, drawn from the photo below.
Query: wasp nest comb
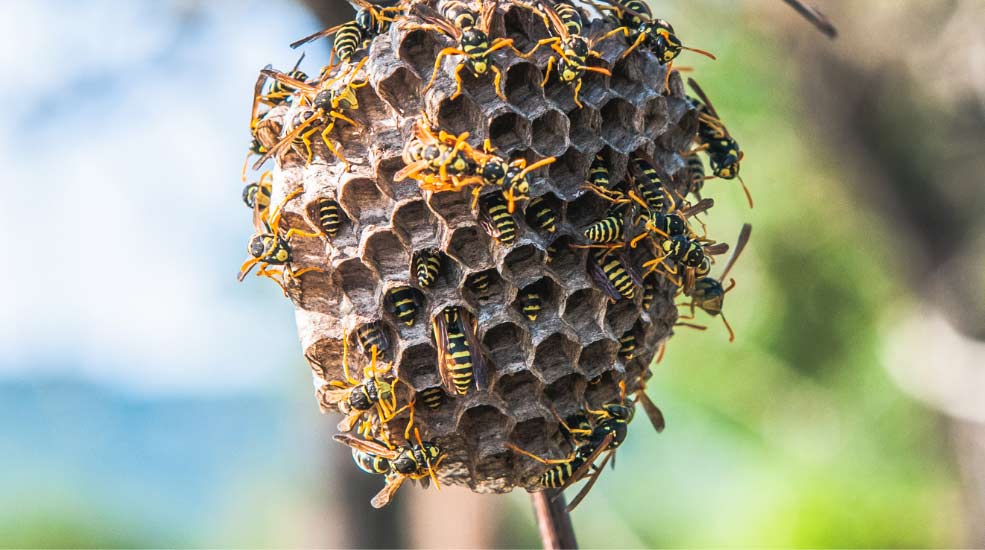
(484, 261)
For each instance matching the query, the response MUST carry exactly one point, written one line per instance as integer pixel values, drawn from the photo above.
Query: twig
(553, 520)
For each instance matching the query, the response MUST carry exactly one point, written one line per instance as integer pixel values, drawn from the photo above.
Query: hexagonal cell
(371, 107)
(594, 87)
(569, 172)
(621, 316)
(586, 210)
(655, 119)
(538, 299)
(454, 206)
(550, 133)
(419, 366)
(564, 260)
(459, 115)
(470, 246)
(620, 125)
(484, 286)
(565, 394)
(521, 387)
(509, 131)
(358, 283)
(544, 213)
(529, 436)
(402, 190)
(585, 126)
(363, 201)
(523, 29)
(627, 78)
(506, 345)
(561, 94)
(419, 50)
(394, 90)
(387, 254)
(598, 357)
(523, 262)
(555, 357)
(363, 338)
(484, 426)
(325, 358)
(416, 223)
(523, 87)
(580, 310)
(605, 389)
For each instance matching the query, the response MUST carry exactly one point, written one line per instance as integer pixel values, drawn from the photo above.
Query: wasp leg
(437, 63)
(458, 80)
(497, 77)
(544, 42)
(547, 461)
(547, 72)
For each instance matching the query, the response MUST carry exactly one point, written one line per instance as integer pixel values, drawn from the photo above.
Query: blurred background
(147, 399)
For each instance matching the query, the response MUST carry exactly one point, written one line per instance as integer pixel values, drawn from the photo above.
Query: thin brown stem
(553, 520)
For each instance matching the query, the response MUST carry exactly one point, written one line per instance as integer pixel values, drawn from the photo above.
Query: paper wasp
(415, 462)
(723, 151)
(257, 195)
(355, 398)
(351, 36)
(642, 29)
(709, 293)
(328, 103)
(572, 49)
(544, 217)
(267, 247)
(473, 44)
(460, 360)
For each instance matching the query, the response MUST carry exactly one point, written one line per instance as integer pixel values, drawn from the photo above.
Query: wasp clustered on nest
(481, 212)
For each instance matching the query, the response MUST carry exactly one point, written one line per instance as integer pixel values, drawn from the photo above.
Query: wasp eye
(257, 246)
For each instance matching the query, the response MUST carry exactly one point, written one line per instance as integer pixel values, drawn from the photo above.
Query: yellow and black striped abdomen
(403, 304)
(460, 13)
(570, 16)
(598, 173)
(627, 346)
(329, 216)
(347, 40)
(371, 337)
(499, 222)
(531, 303)
(617, 275)
(432, 397)
(427, 266)
(606, 230)
(370, 463)
(459, 352)
(544, 216)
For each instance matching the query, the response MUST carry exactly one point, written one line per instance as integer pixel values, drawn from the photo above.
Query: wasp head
(494, 172)
(516, 179)
(260, 244)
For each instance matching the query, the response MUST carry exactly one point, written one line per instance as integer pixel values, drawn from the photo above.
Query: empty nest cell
(507, 344)
(586, 123)
(620, 125)
(459, 115)
(509, 131)
(418, 366)
(385, 252)
(419, 49)
(655, 119)
(565, 394)
(555, 357)
(470, 246)
(565, 261)
(523, 262)
(363, 201)
(396, 89)
(598, 357)
(416, 223)
(621, 316)
(568, 173)
(358, 283)
(454, 206)
(550, 133)
(520, 387)
(523, 88)
(581, 310)
(484, 427)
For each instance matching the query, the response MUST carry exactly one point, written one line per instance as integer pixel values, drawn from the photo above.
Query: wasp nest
(394, 258)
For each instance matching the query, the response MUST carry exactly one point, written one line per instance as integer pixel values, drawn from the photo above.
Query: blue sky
(123, 134)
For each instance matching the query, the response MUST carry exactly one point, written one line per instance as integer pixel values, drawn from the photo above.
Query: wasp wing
(740, 245)
(366, 446)
(321, 34)
(433, 17)
(591, 483)
(479, 372)
(386, 494)
(440, 327)
(653, 412)
(289, 138)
